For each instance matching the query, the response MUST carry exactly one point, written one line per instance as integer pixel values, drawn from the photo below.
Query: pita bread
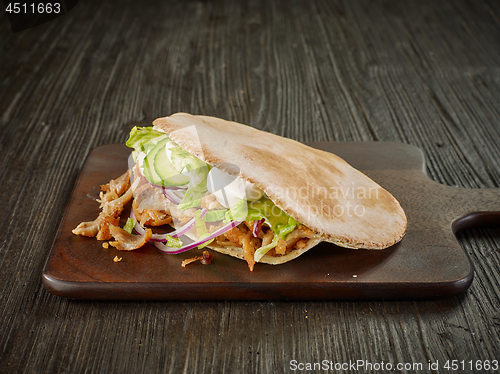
(234, 251)
(317, 188)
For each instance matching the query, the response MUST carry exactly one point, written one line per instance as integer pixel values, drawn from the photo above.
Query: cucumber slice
(149, 167)
(167, 172)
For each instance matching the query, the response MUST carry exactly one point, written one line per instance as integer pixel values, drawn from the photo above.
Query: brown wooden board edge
(256, 291)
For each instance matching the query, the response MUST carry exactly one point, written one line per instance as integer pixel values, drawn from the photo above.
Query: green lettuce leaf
(215, 215)
(205, 244)
(142, 138)
(201, 229)
(191, 199)
(173, 242)
(129, 225)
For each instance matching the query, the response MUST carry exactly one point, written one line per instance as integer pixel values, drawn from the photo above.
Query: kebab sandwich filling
(242, 192)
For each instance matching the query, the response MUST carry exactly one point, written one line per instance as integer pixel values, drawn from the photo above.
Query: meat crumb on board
(206, 259)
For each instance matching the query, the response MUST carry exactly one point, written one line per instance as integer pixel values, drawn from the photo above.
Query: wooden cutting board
(427, 263)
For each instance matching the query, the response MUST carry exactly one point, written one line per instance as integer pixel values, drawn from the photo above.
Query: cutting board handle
(476, 219)
(478, 207)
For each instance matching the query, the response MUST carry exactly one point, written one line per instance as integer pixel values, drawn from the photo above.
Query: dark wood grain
(418, 72)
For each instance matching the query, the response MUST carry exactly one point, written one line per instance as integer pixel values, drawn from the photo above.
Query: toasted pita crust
(317, 188)
(273, 260)
(266, 259)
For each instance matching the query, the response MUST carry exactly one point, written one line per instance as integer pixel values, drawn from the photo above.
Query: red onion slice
(257, 224)
(174, 234)
(182, 230)
(172, 196)
(187, 247)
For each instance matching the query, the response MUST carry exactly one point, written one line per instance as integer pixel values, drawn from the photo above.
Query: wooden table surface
(426, 73)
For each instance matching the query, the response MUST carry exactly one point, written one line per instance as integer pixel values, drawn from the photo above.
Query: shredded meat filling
(115, 188)
(242, 236)
(112, 205)
(248, 249)
(151, 217)
(116, 206)
(151, 208)
(210, 202)
(126, 241)
(117, 193)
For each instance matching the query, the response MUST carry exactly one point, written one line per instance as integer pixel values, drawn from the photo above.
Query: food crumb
(206, 259)
(354, 276)
(117, 259)
(105, 245)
